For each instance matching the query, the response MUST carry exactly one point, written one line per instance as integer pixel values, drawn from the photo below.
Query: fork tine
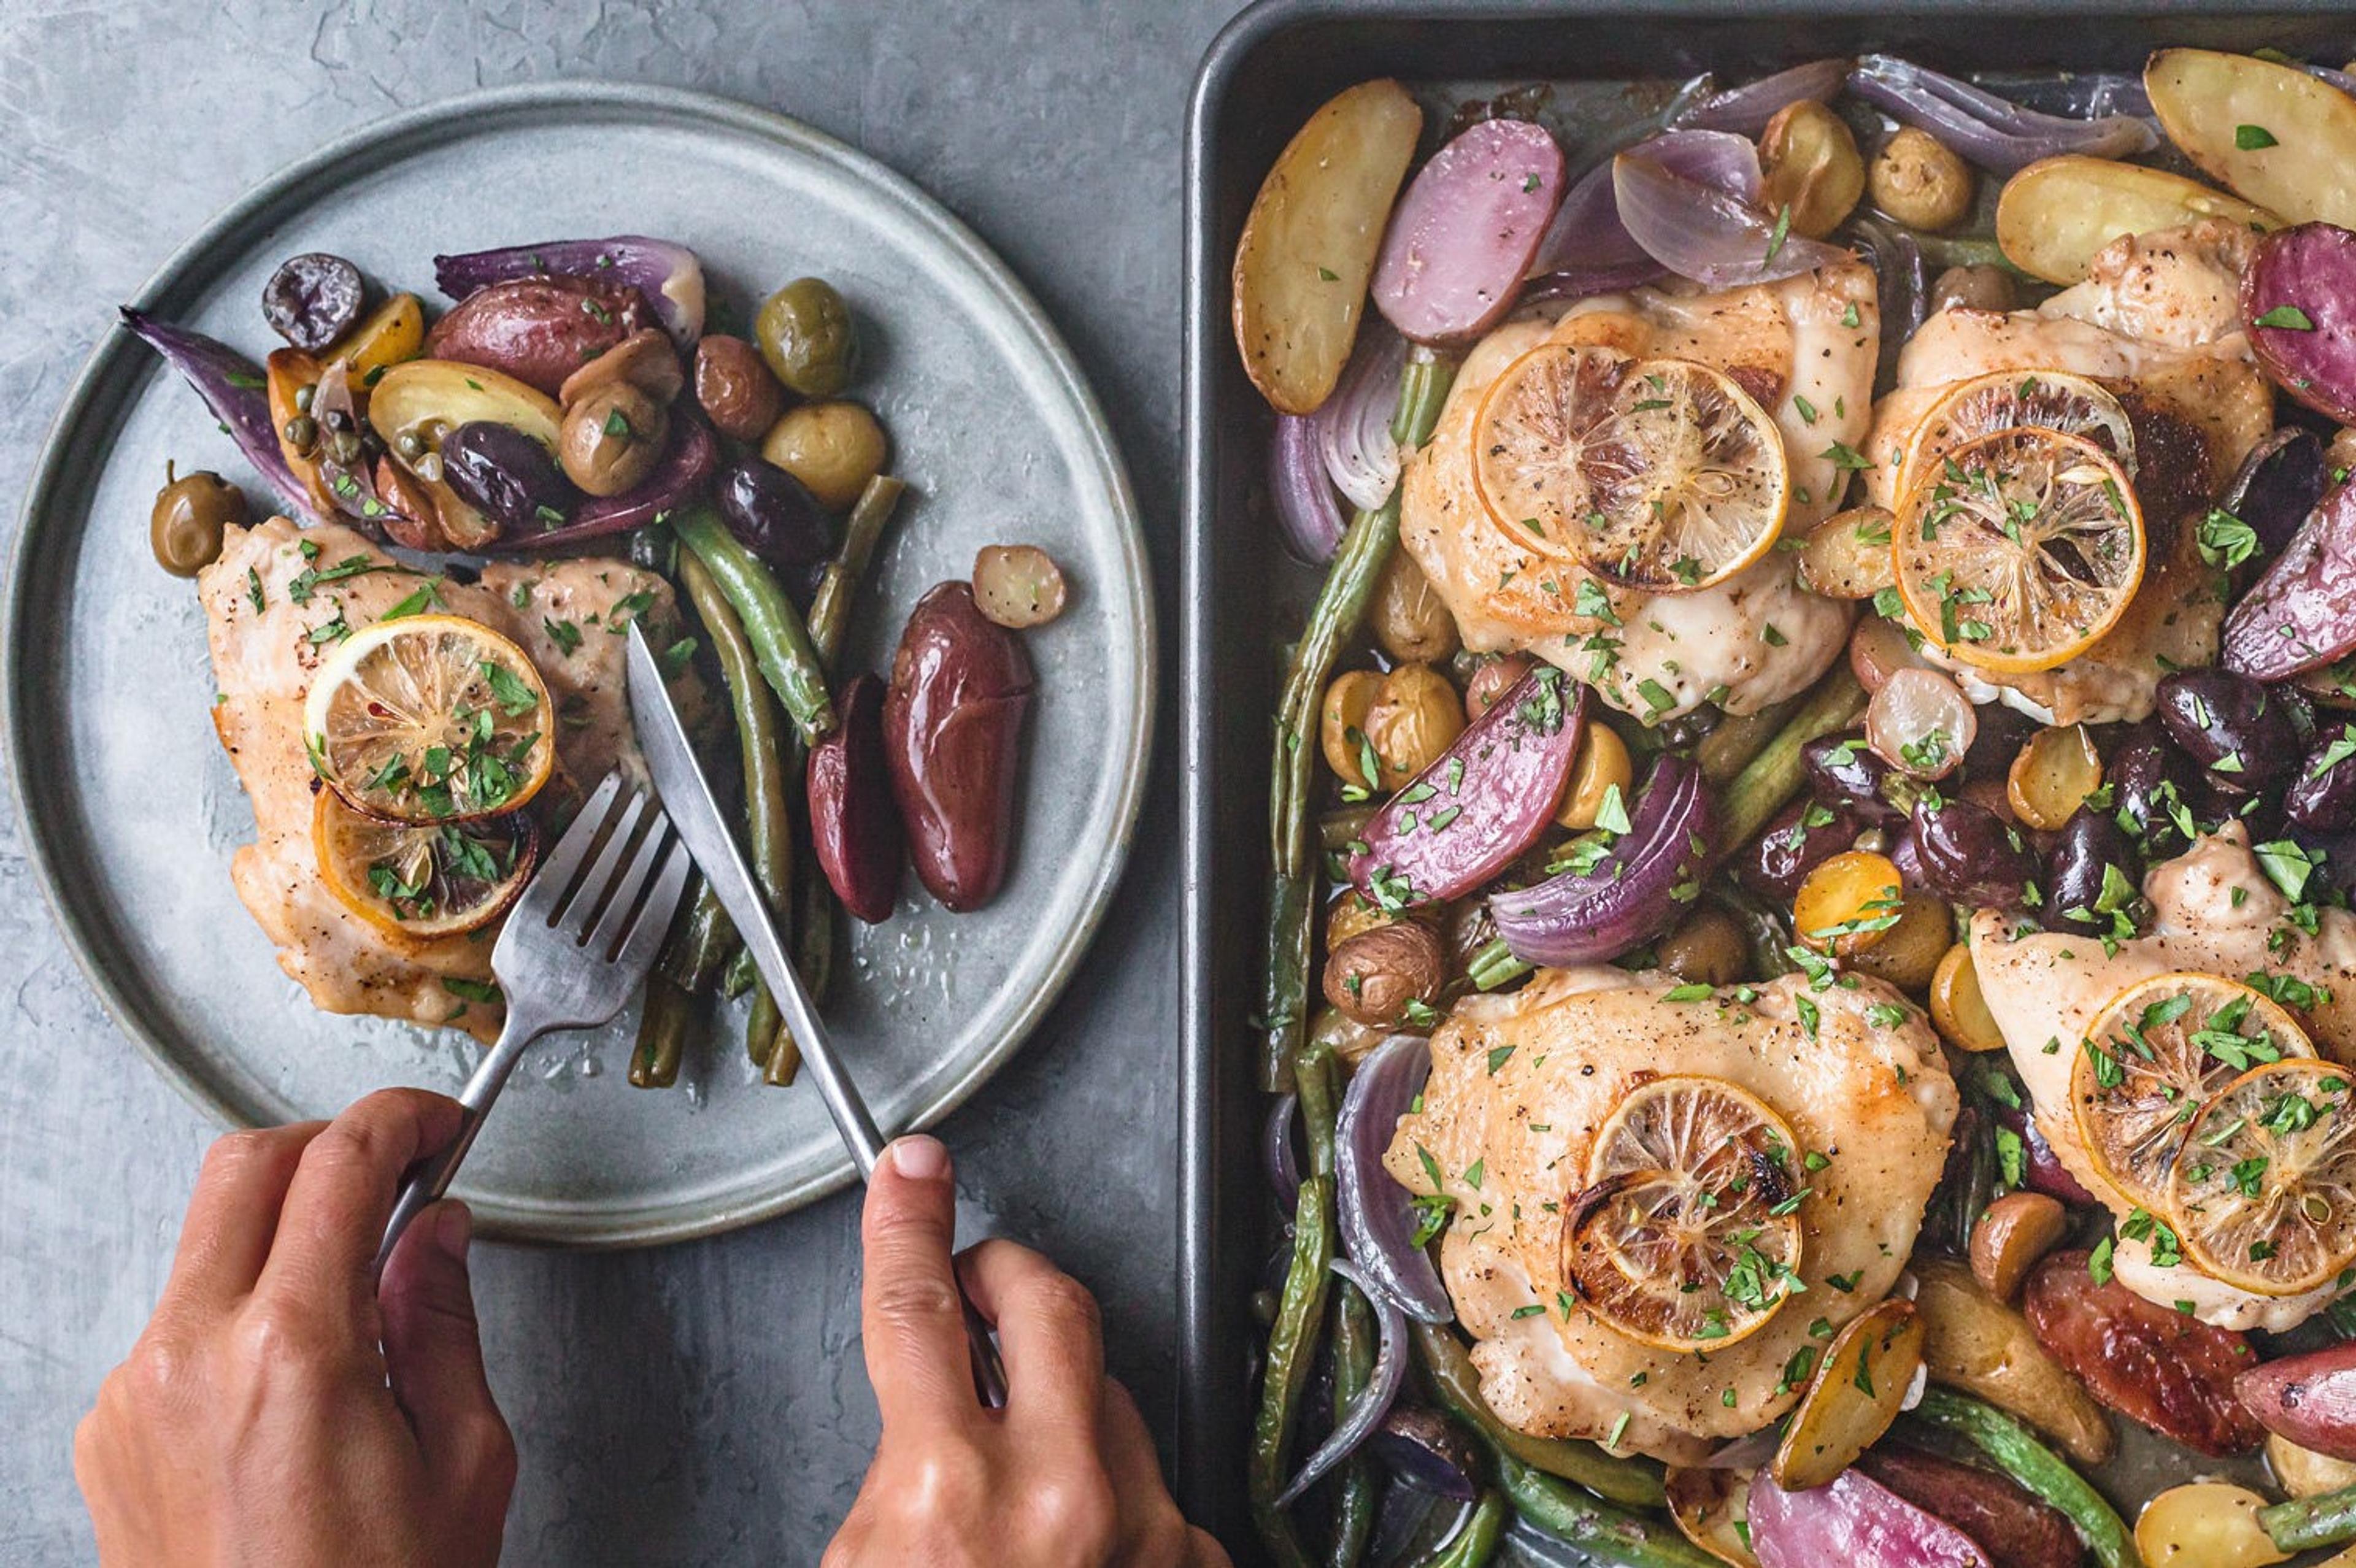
(547, 887)
(582, 910)
(626, 888)
(654, 921)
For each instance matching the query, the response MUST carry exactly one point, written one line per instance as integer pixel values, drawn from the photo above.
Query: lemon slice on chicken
(2263, 1193)
(2152, 1059)
(2019, 550)
(429, 719)
(1687, 1236)
(421, 880)
(2009, 399)
(1661, 474)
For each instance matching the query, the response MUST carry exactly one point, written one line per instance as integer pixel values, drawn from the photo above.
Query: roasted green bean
(830, 611)
(1477, 1543)
(769, 622)
(663, 1020)
(1611, 1537)
(1354, 1343)
(2013, 1449)
(762, 740)
(1292, 1348)
(1635, 1482)
(703, 946)
(1358, 563)
(2328, 1519)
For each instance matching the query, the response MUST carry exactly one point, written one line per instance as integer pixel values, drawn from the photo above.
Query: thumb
(434, 1352)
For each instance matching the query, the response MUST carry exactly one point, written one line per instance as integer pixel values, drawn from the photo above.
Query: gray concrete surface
(702, 1403)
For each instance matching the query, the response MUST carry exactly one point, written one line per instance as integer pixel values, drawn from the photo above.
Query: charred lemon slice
(420, 880)
(2263, 1193)
(429, 719)
(1661, 474)
(2016, 552)
(1687, 1236)
(2012, 399)
(2151, 1060)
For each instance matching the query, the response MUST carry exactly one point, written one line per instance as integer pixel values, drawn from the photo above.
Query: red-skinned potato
(1489, 796)
(2153, 1364)
(952, 732)
(539, 330)
(2298, 299)
(2309, 1399)
(1464, 234)
(2019, 1530)
(854, 826)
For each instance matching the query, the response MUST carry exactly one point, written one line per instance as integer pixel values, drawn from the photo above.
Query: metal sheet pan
(1260, 80)
(132, 811)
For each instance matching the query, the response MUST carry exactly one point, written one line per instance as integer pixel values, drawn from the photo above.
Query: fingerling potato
(2055, 215)
(2269, 133)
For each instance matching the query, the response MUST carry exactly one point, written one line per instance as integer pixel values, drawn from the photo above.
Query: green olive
(805, 332)
(190, 516)
(834, 449)
(612, 438)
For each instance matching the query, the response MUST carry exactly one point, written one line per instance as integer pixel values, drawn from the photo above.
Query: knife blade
(695, 813)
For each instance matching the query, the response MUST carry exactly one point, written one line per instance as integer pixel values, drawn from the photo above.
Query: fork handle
(425, 1182)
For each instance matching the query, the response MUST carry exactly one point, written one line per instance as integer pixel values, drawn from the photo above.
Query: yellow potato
(1710, 1507)
(2303, 1472)
(2205, 1524)
(1977, 1344)
(2269, 133)
(1855, 1396)
(1310, 244)
(2056, 213)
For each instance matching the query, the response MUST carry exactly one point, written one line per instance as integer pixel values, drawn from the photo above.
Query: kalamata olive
(1843, 769)
(613, 438)
(2150, 782)
(855, 827)
(952, 732)
(2000, 734)
(2242, 734)
(736, 387)
(834, 448)
(1969, 855)
(313, 299)
(2323, 794)
(806, 337)
(191, 513)
(2278, 485)
(1427, 1451)
(507, 477)
(1803, 836)
(775, 516)
(1971, 288)
(2094, 872)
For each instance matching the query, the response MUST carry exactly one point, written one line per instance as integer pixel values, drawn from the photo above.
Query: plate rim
(189, 270)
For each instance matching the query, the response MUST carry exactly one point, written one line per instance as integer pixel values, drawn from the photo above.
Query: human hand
(1065, 1473)
(257, 1420)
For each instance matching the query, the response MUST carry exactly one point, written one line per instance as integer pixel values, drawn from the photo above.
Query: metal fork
(575, 947)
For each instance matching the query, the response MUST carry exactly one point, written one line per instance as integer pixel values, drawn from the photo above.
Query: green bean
(2328, 1519)
(663, 1020)
(1336, 830)
(1611, 1537)
(1359, 562)
(1354, 1340)
(703, 946)
(2013, 1449)
(738, 977)
(813, 960)
(1774, 775)
(762, 740)
(1632, 1481)
(1477, 1543)
(1291, 1346)
(1729, 749)
(770, 623)
(830, 611)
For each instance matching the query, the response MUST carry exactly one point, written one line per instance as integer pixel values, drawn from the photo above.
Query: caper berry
(190, 516)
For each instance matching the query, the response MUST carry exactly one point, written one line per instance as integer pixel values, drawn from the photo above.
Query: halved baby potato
(2058, 212)
(2269, 133)
(1309, 243)
(1855, 1394)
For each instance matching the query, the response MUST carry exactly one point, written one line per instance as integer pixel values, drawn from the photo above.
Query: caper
(409, 446)
(301, 433)
(806, 335)
(190, 517)
(344, 447)
(303, 396)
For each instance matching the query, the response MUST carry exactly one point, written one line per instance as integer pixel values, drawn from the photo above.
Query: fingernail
(453, 1229)
(920, 1158)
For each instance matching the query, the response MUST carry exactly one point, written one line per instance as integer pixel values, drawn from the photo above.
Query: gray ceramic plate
(132, 811)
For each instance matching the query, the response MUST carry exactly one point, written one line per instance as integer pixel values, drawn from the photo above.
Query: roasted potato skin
(2309, 1399)
(1980, 1345)
(1919, 180)
(1377, 975)
(2017, 1529)
(952, 734)
(539, 330)
(2153, 1364)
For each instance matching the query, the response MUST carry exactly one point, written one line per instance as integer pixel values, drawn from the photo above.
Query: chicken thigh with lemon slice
(2144, 359)
(2127, 1050)
(1658, 1194)
(283, 605)
(1732, 412)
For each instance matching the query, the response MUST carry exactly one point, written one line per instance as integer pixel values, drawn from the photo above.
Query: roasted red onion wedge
(669, 274)
(1378, 1218)
(1633, 893)
(1992, 131)
(233, 388)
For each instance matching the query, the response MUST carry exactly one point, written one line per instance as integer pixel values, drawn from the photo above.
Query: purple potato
(854, 826)
(2279, 484)
(2309, 1399)
(2298, 299)
(2018, 1530)
(2301, 613)
(1465, 228)
(313, 299)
